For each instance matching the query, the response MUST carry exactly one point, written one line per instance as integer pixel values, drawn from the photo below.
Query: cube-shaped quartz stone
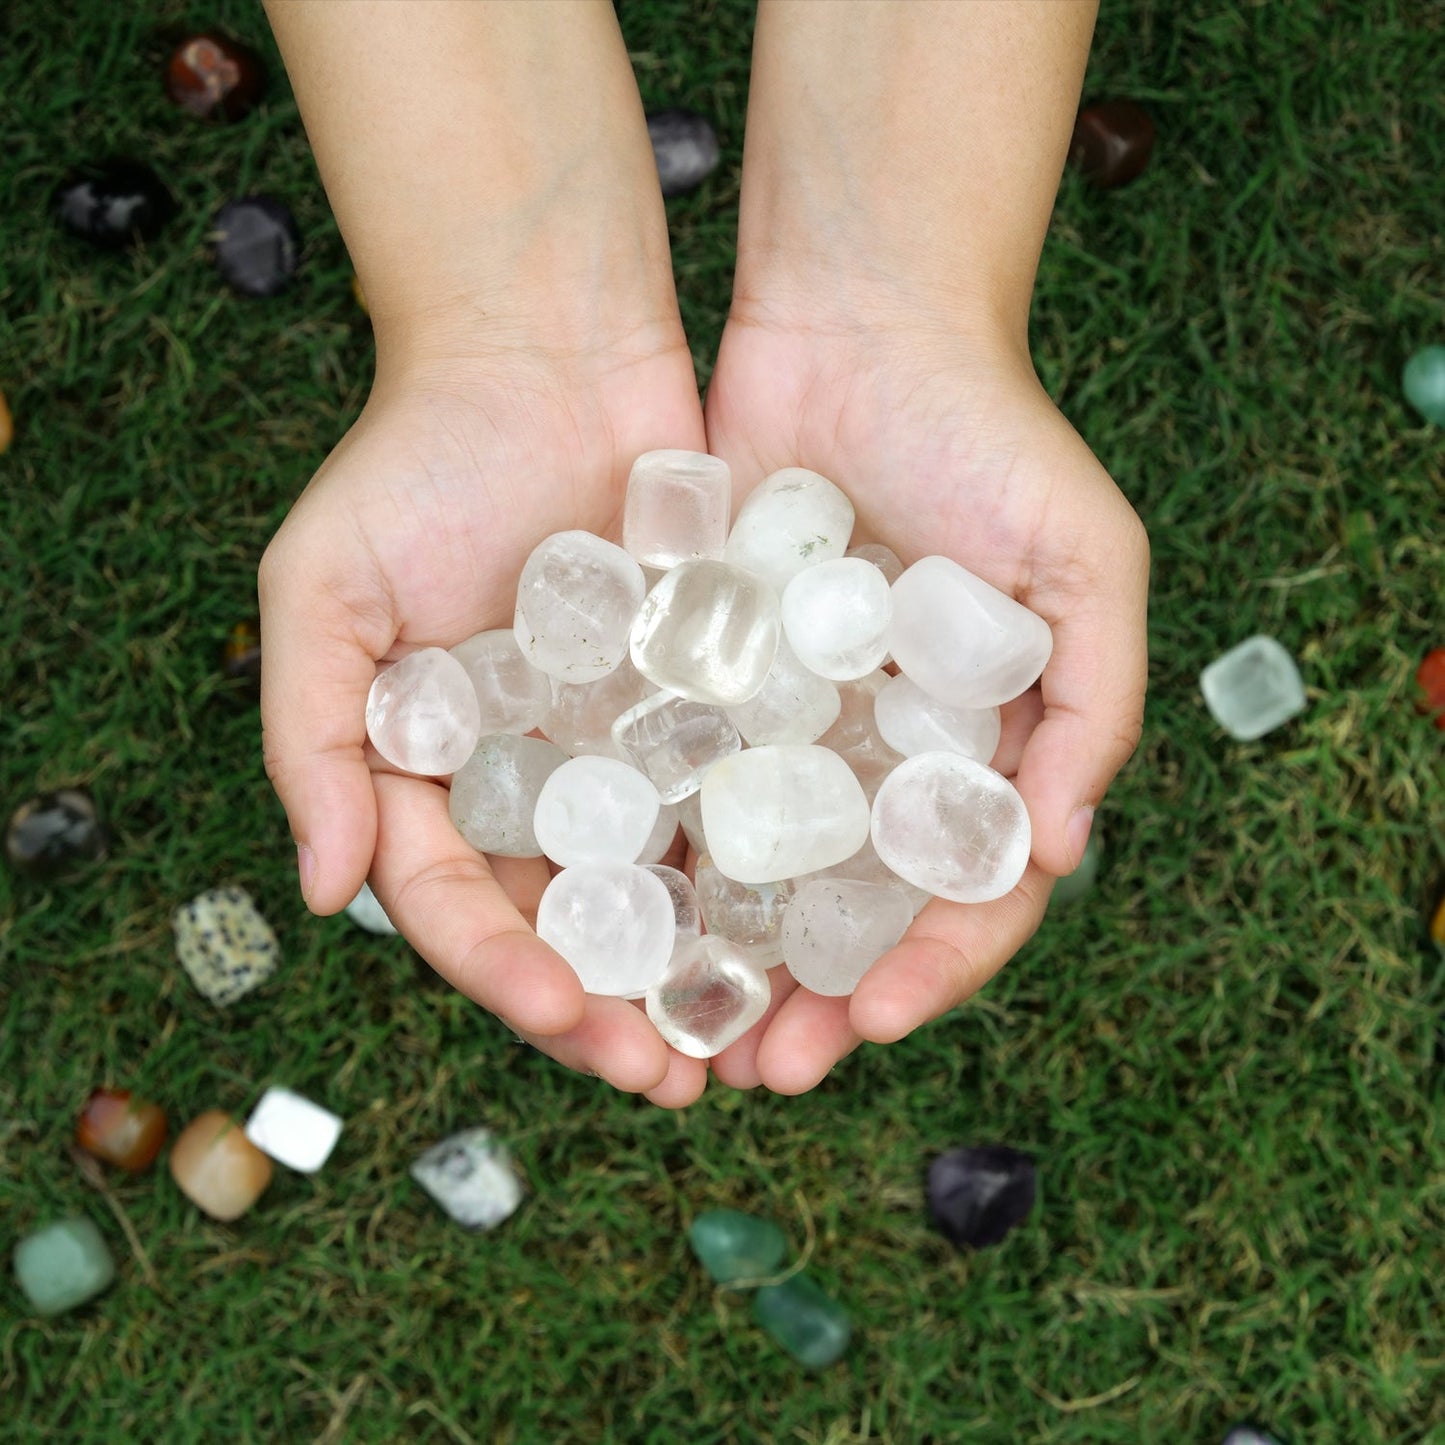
(677, 507)
(513, 696)
(470, 1175)
(595, 810)
(836, 929)
(675, 741)
(292, 1130)
(422, 713)
(63, 1265)
(791, 520)
(613, 922)
(224, 944)
(494, 793)
(217, 1167)
(1253, 689)
(711, 994)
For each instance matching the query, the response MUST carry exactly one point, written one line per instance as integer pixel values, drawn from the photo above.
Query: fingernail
(306, 867)
(1076, 835)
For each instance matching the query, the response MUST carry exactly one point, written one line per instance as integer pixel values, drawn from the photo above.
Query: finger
(683, 1084)
(809, 1035)
(614, 1041)
(737, 1065)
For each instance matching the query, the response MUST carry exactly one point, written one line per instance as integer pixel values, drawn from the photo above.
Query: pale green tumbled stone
(63, 1265)
(732, 1245)
(1424, 383)
(809, 1324)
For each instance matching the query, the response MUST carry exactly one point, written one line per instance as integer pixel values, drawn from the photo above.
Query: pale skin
(900, 167)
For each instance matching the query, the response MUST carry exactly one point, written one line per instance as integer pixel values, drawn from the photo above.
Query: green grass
(1225, 1059)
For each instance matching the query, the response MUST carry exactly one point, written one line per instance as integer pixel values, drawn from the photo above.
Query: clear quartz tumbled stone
(686, 916)
(595, 810)
(792, 706)
(660, 840)
(677, 507)
(855, 736)
(790, 521)
(952, 826)
(581, 715)
(494, 793)
(747, 914)
(613, 922)
(576, 600)
(513, 695)
(835, 929)
(865, 866)
(885, 559)
(422, 713)
(711, 994)
(1253, 689)
(962, 640)
(708, 631)
(675, 741)
(910, 722)
(835, 617)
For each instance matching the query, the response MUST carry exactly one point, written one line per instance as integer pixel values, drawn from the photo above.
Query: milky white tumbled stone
(662, 837)
(780, 810)
(910, 722)
(885, 559)
(835, 617)
(792, 706)
(513, 695)
(422, 713)
(677, 507)
(689, 815)
(581, 715)
(576, 600)
(292, 1130)
(675, 741)
(708, 631)
(1253, 689)
(790, 521)
(366, 912)
(711, 994)
(836, 929)
(494, 793)
(952, 826)
(595, 810)
(865, 866)
(750, 914)
(613, 922)
(962, 640)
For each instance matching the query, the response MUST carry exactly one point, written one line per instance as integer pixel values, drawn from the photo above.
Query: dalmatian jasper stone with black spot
(224, 944)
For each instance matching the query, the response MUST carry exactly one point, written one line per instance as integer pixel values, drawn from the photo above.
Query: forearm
(908, 153)
(488, 165)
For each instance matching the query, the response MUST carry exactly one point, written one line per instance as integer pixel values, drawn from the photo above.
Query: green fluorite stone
(63, 1265)
(812, 1327)
(732, 1245)
(1424, 382)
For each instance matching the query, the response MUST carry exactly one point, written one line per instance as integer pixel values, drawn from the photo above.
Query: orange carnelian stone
(121, 1130)
(218, 1167)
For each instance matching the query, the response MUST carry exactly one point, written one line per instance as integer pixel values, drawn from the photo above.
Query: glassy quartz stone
(581, 715)
(576, 601)
(744, 913)
(963, 641)
(613, 922)
(782, 810)
(835, 617)
(595, 810)
(885, 559)
(675, 741)
(1253, 689)
(855, 736)
(836, 929)
(292, 1130)
(792, 706)
(660, 840)
(422, 713)
(865, 866)
(513, 696)
(952, 826)
(677, 508)
(686, 916)
(708, 631)
(689, 814)
(494, 793)
(710, 996)
(792, 520)
(910, 721)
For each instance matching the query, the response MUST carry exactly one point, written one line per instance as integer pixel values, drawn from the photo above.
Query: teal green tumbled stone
(63, 1265)
(812, 1327)
(732, 1245)
(1424, 383)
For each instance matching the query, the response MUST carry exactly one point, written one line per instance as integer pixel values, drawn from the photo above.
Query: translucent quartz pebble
(963, 641)
(910, 721)
(855, 736)
(613, 922)
(952, 826)
(835, 617)
(835, 929)
(689, 814)
(708, 631)
(781, 810)
(865, 866)
(792, 520)
(885, 559)
(581, 715)
(422, 713)
(292, 1130)
(677, 507)
(494, 793)
(660, 840)
(675, 741)
(513, 695)
(1253, 688)
(686, 915)
(595, 810)
(747, 914)
(711, 994)
(471, 1176)
(366, 912)
(576, 600)
(792, 706)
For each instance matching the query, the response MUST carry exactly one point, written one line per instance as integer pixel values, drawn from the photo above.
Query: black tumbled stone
(256, 245)
(50, 833)
(113, 203)
(976, 1196)
(685, 147)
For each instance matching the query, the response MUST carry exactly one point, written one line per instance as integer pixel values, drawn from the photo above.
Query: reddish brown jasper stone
(214, 77)
(1430, 679)
(1112, 142)
(122, 1131)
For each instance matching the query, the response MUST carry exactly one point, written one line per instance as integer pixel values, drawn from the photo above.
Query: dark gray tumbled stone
(256, 245)
(685, 147)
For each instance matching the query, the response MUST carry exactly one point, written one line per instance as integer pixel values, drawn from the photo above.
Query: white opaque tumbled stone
(576, 600)
(750, 914)
(470, 1175)
(422, 713)
(366, 912)
(835, 617)
(710, 996)
(660, 840)
(962, 640)
(581, 715)
(292, 1130)
(885, 559)
(708, 631)
(836, 929)
(675, 741)
(1253, 688)
(689, 815)
(910, 722)
(595, 810)
(513, 695)
(791, 520)
(792, 706)
(952, 826)
(781, 810)
(494, 793)
(613, 922)
(677, 507)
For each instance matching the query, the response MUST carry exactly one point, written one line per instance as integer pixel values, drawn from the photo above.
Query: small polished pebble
(422, 713)
(512, 695)
(675, 741)
(792, 706)
(686, 914)
(120, 1129)
(1248, 1435)
(494, 794)
(613, 922)
(662, 838)
(835, 617)
(470, 1175)
(709, 996)
(214, 77)
(224, 944)
(1253, 688)
(1112, 143)
(1424, 383)
(241, 656)
(365, 911)
(114, 203)
(865, 866)
(911, 722)
(52, 833)
(685, 147)
(677, 508)
(836, 929)
(749, 914)
(977, 1195)
(791, 520)
(217, 1167)
(855, 736)
(581, 714)
(885, 559)
(735, 1247)
(255, 245)
(7, 425)
(807, 1322)
(292, 1130)
(63, 1265)
(595, 810)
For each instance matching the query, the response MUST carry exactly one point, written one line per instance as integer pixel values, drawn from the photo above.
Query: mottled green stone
(63, 1265)
(1072, 886)
(811, 1326)
(1424, 382)
(732, 1245)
